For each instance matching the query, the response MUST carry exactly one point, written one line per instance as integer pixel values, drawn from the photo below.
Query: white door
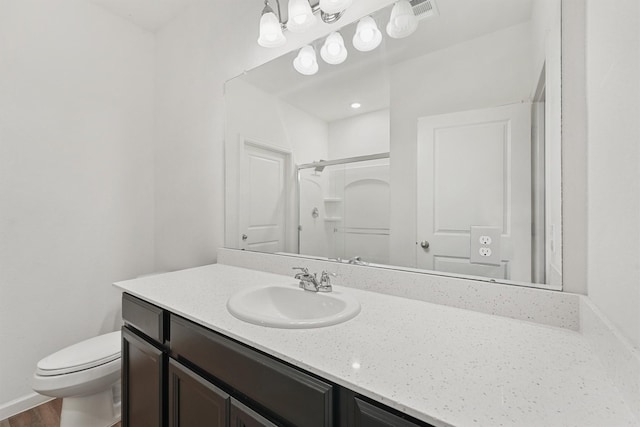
(263, 198)
(474, 169)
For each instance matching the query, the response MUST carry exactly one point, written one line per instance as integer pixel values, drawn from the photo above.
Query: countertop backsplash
(536, 305)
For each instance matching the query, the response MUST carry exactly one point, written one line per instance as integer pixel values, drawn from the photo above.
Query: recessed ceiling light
(356, 105)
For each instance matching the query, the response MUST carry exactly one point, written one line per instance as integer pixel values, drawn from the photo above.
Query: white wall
(360, 135)
(76, 176)
(545, 17)
(492, 70)
(255, 114)
(613, 102)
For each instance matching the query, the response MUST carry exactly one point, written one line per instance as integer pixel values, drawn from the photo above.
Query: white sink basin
(292, 307)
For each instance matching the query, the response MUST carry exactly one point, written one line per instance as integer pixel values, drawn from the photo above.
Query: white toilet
(87, 378)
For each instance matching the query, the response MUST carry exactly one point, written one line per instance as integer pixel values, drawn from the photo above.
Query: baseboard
(22, 404)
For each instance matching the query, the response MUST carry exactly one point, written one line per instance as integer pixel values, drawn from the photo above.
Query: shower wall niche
(344, 208)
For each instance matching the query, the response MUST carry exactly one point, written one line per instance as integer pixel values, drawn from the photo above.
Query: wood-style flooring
(45, 415)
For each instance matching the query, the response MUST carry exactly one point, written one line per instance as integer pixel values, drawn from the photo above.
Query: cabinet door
(293, 396)
(367, 415)
(142, 382)
(242, 416)
(193, 401)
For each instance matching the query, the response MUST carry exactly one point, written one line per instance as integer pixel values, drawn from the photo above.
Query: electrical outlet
(485, 245)
(485, 240)
(485, 252)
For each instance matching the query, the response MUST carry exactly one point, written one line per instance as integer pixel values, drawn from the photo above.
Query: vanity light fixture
(270, 28)
(334, 51)
(367, 36)
(306, 62)
(301, 17)
(403, 21)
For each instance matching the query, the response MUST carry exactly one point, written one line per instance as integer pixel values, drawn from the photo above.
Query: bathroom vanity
(178, 373)
(399, 362)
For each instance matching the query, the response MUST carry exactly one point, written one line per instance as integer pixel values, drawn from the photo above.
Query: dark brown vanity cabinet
(194, 401)
(143, 364)
(359, 413)
(142, 381)
(177, 373)
(286, 394)
(242, 416)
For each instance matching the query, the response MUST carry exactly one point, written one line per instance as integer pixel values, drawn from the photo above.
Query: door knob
(424, 244)
(244, 237)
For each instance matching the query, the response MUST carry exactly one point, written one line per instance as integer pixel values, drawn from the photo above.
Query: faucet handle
(304, 273)
(326, 276)
(325, 281)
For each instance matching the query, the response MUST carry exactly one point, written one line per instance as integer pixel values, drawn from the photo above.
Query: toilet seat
(85, 355)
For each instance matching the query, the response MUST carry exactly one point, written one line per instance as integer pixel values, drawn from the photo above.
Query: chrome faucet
(357, 261)
(310, 282)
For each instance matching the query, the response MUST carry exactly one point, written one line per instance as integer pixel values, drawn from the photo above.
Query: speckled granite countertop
(443, 365)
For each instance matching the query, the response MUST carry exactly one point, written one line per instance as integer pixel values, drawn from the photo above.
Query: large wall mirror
(440, 151)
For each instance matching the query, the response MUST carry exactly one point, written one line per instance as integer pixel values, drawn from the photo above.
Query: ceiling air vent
(424, 8)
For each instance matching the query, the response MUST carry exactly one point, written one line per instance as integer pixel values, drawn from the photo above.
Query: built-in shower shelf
(332, 199)
(332, 219)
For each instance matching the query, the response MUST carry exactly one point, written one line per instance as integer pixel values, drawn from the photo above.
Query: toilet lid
(84, 355)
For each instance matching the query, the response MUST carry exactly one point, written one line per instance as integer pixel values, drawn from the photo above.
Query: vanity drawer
(143, 316)
(298, 399)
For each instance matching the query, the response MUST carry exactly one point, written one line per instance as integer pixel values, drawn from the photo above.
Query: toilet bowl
(87, 378)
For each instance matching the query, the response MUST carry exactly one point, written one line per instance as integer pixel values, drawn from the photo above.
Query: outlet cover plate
(480, 236)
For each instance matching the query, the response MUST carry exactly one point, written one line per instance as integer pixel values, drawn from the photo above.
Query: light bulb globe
(306, 63)
(301, 17)
(333, 51)
(333, 48)
(367, 36)
(403, 21)
(270, 31)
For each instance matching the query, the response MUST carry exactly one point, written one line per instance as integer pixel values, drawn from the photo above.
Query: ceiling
(147, 14)
(364, 76)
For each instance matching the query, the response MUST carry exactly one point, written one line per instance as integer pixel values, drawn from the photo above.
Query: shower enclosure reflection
(344, 208)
